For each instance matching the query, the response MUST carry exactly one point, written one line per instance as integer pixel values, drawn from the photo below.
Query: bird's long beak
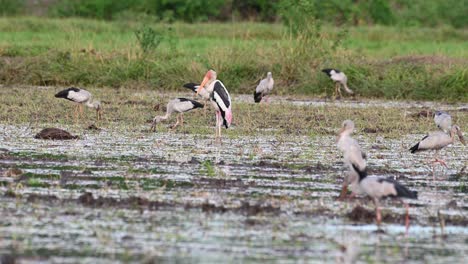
(99, 114)
(202, 85)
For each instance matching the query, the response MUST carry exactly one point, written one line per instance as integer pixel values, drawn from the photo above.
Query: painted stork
(220, 99)
(340, 79)
(378, 188)
(437, 141)
(352, 156)
(178, 105)
(443, 121)
(81, 96)
(264, 88)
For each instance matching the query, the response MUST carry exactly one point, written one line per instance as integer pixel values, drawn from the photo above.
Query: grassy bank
(381, 62)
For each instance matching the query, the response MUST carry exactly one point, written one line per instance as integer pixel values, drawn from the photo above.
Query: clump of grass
(207, 168)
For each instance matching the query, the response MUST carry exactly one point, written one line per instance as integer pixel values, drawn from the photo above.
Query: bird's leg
(339, 90)
(344, 191)
(378, 215)
(407, 220)
(177, 122)
(182, 119)
(81, 111)
(75, 113)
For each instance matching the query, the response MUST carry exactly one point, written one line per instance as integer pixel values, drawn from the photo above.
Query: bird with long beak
(437, 141)
(352, 157)
(220, 99)
(81, 96)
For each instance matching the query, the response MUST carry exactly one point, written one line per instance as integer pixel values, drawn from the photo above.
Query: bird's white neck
(92, 104)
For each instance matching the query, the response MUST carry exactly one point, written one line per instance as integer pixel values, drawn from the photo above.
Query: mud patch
(54, 134)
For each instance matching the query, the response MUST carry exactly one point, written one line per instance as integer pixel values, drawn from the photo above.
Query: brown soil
(54, 134)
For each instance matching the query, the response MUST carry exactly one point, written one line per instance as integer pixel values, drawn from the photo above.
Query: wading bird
(220, 99)
(437, 141)
(339, 78)
(352, 156)
(178, 105)
(378, 188)
(264, 88)
(80, 96)
(443, 121)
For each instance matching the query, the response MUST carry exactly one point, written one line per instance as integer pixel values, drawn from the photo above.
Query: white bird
(195, 88)
(437, 141)
(378, 188)
(264, 88)
(339, 78)
(80, 96)
(178, 105)
(220, 99)
(443, 121)
(352, 156)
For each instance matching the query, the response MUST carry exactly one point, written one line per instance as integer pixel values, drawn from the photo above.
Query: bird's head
(347, 127)
(269, 75)
(210, 76)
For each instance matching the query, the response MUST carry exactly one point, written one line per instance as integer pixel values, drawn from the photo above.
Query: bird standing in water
(81, 96)
(340, 79)
(264, 88)
(178, 105)
(220, 99)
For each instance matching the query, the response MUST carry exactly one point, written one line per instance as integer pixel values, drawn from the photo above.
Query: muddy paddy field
(268, 192)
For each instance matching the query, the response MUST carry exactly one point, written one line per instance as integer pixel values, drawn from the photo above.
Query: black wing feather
(401, 190)
(362, 173)
(219, 89)
(257, 97)
(196, 104)
(64, 93)
(415, 148)
(192, 86)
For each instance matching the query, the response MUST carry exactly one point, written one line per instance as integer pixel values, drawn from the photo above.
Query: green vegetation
(383, 62)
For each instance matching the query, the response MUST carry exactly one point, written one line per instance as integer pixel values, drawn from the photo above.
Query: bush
(11, 7)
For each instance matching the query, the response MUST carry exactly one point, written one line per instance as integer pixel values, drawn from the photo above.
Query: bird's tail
(347, 89)
(414, 148)
(228, 117)
(62, 94)
(257, 97)
(402, 191)
(192, 86)
(362, 173)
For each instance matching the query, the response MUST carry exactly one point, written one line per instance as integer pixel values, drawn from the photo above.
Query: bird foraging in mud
(178, 105)
(220, 99)
(437, 141)
(352, 156)
(340, 79)
(378, 188)
(443, 121)
(80, 96)
(264, 88)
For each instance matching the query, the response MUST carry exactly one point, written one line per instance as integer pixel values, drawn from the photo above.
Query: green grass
(381, 62)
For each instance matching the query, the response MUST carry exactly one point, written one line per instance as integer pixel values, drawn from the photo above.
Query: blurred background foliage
(427, 13)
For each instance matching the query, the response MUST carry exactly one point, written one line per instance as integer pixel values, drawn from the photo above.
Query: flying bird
(81, 96)
(443, 121)
(437, 141)
(352, 157)
(264, 88)
(220, 99)
(340, 79)
(378, 188)
(178, 105)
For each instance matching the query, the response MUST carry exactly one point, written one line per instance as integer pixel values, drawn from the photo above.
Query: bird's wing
(80, 96)
(262, 86)
(435, 140)
(221, 96)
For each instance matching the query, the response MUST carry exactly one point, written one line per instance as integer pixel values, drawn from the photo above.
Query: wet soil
(126, 195)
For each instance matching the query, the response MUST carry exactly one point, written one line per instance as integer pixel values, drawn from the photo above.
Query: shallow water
(249, 199)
